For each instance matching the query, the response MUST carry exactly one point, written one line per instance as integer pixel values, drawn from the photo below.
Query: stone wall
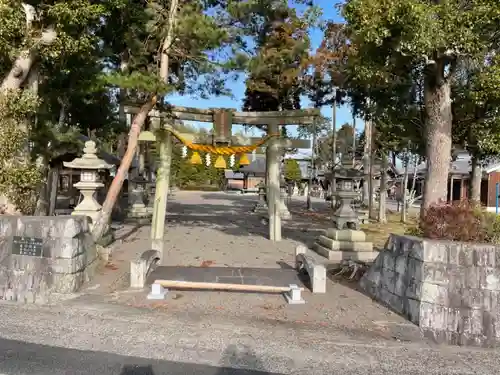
(59, 264)
(449, 289)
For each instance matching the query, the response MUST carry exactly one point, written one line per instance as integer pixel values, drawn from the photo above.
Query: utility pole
(312, 167)
(353, 140)
(334, 153)
(367, 158)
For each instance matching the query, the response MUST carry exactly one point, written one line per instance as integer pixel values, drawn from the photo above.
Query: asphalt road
(21, 358)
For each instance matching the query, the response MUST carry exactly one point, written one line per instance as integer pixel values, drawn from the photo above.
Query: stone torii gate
(223, 119)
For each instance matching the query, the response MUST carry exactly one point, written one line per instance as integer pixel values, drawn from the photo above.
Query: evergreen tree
(276, 69)
(291, 171)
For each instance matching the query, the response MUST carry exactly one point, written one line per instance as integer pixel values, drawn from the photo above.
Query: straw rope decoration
(220, 150)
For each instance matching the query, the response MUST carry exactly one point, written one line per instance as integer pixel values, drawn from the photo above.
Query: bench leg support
(294, 296)
(157, 292)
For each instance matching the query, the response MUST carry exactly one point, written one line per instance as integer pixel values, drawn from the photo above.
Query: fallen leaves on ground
(313, 215)
(111, 266)
(207, 263)
(268, 306)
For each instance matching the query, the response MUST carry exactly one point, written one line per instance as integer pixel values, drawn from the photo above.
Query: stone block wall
(63, 265)
(449, 289)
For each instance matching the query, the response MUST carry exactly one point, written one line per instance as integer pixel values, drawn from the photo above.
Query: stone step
(339, 256)
(344, 245)
(345, 235)
(329, 264)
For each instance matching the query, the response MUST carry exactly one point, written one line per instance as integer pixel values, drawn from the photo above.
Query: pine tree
(182, 51)
(281, 55)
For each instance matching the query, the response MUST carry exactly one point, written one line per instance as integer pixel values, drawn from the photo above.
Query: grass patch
(375, 232)
(379, 233)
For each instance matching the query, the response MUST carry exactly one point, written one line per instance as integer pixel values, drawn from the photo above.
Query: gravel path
(342, 331)
(218, 229)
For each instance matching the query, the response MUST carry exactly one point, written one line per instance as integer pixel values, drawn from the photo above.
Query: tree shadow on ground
(238, 220)
(235, 360)
(123, 235)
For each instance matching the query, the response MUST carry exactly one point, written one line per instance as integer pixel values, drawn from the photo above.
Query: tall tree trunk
(16, 77)
(167, 42)
(414, 179)
(382, 217)
(62, 114)
(371, 173)
(53, 183)
(367, 153)
(475, 181)
(404, 185)
(42, 203)
(437, 98)
(164, 150)
(23, 63)
(101, 225)
(122, 116)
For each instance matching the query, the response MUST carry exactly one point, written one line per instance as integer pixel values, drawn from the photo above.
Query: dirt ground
(219, 229)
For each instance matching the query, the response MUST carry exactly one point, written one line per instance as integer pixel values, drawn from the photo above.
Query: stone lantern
(261, 205)
(141, 186)
(283, 209)
(89, 164)
(344, 216)
(345, 241)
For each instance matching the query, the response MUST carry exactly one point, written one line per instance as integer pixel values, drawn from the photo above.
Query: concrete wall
(63, 265)
(449, 289)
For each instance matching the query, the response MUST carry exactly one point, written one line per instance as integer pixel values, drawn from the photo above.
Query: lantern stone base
(139, 214)
(284, 212)
(108, 237)
(345, 244)
(260, 207)
(92, 213)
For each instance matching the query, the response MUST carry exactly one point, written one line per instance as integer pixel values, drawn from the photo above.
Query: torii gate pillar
(273, 183)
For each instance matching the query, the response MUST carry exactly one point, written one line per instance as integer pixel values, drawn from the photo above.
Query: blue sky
(238, 88)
